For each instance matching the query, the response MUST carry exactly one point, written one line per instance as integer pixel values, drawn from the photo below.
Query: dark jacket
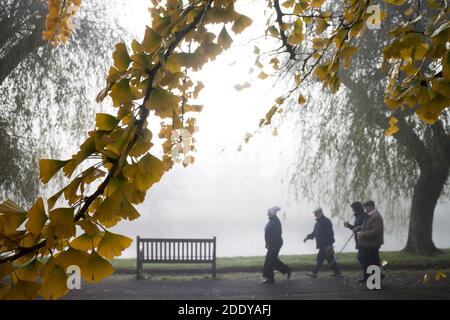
(272, 233)
(323, 233)
(371, 231)
(359, 219)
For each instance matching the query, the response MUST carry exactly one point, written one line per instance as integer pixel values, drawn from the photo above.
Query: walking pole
(348, 240)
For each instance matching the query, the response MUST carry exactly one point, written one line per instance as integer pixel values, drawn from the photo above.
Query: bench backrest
(176, 250)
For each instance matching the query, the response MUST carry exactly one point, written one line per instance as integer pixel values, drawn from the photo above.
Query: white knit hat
(273, 211)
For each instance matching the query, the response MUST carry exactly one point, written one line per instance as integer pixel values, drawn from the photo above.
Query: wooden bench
(175, 251)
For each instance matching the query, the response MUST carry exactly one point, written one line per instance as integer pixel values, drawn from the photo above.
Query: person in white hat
(274, 241)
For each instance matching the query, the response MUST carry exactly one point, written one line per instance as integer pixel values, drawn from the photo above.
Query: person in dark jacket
(360, 215)
(324, 235)
(274, 241)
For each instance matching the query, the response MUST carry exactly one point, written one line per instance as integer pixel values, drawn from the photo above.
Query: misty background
(225, 192)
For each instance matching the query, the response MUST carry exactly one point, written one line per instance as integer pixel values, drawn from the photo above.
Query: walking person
(324, 235)
(274, 242)
(360, 215)
(370, 237)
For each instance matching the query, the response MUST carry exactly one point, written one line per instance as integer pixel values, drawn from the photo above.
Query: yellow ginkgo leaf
(72, 257)
(442, 86)
(391, 131)
(97, 268)
(86, 242)
(152, 165)
(262, 75)
(49, 167)
(321, 26)
(61, 220)
(321, 72)
(224, 40)
(241, 23)
(270, 114)
(22, 290)
(273, 31)
(11, 217)
(317, 3)
(121, 93)
(279, 100)
(144, 181)
(105, 121)
(346, 55)
(53, 199)
(28, 272)
(112, 245)
(121, 58)
(152, 40)
(55, 284)
(162, 102)
(88, 226)
(36, 217)
(127, 210)
(106, 210)
(301, 99)
(288, 3)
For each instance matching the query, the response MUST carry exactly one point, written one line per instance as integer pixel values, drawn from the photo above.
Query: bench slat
(182, 250)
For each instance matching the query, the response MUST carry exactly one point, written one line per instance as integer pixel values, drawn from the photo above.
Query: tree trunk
(426, 194)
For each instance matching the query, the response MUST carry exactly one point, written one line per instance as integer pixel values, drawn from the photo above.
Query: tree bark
(426, 194)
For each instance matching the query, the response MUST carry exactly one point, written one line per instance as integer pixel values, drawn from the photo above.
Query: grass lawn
(395, 259)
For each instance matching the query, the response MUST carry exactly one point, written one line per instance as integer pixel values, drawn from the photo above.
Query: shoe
(268, 281)
(312, 275)
(288, 275)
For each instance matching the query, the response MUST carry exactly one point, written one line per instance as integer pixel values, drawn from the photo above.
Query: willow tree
(354, 160)
(153, 78)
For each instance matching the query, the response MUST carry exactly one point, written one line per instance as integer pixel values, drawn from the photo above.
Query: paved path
(397, 285)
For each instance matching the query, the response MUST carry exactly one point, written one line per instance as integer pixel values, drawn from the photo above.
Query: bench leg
(138, 270)
(214, 270)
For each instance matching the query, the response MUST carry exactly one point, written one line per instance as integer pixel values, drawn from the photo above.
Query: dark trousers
(359, 256)
(325, 255)
(274, 263)
(369, 257)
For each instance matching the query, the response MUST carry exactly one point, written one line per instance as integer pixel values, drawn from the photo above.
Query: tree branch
(284, 39)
